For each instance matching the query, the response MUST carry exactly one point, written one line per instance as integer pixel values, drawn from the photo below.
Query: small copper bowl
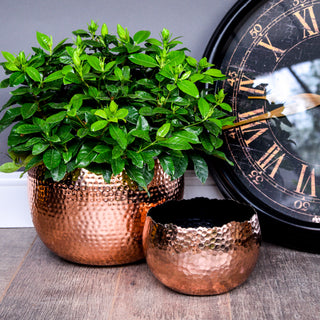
(201, 246)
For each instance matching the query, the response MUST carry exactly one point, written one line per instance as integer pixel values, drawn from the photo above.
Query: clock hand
(301, 102)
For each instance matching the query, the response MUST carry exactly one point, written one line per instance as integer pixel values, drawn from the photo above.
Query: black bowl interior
(201, 212)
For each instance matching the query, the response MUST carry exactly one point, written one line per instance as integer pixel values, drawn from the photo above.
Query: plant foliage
(110, 103)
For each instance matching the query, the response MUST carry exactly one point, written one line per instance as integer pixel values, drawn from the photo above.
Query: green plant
(110, 103)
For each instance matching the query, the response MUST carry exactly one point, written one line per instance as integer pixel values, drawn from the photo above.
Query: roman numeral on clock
(245, 85)
(254, 130)
(268, 45)
(272, 157)
(308, 13)
(306, 180)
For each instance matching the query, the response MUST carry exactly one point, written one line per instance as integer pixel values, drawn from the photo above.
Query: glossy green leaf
(67, 69)
(8, 56)
(163, 130)
(192, 61)
(117, 152)
(187, 136)
(121, 113)
(109, 65)
(155, 42)
(104, 157)
(196, 77)
(171, 87)
(216, 142)
(9, 167)
(113, 107)
(101, 148)
(67, 156)
(136, 174)
(71, 78)
(200, 168)
(20, 91)
(59, 172)
(175, 143)
(206, 142)
(204, 107)
(44, 41)
(122, 33)
(136, 158)
(51, 158)
(34, 141)
(5, 83)
(213, 127)
(225, 106)
(118, 135)
(99, 125)
(117, 165)
(85, 156)
(180, 166)
(118, 73)
(167, 165)
(39, 148)
(16, 78)
(54, 76)
(189, 88)
(146, 111)
(175, 58)
(82, 132)
(104, 30)
(53, 138)
(143, 134)
(214, 73)
(28, 110)
(12, 66)
(145, 96)
(94, 63)
(58, 117)
(10, 116)
(101, 113)
(141, 36)
(34, 74)
(28, 129)
(143, 60)
(33, 162)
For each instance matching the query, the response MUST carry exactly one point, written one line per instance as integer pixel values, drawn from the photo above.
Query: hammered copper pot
(85, 220)
(202, 246)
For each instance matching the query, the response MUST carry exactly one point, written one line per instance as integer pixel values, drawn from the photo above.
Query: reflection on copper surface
(189, 254)
(85, 220)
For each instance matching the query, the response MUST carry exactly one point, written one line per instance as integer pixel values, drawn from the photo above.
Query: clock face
(270, 51)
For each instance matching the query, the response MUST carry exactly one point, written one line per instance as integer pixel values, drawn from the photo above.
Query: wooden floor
(36, 284)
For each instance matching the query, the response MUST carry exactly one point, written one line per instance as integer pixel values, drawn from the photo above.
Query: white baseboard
(14, 206)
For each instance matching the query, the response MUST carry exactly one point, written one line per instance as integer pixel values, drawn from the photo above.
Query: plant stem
(148, 146)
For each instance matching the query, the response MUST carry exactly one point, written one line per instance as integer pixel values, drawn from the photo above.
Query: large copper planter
(88, 221)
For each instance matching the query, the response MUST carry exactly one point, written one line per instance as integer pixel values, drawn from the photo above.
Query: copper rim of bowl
(178, 212)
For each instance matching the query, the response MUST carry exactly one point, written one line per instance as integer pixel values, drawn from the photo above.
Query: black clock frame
(276, 228)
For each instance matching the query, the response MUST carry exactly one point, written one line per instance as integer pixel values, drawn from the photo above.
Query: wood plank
(141, 296)
(48, 287)
(14, 245)
(284, 285)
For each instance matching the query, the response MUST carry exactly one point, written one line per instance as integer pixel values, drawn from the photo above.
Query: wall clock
(270, 51)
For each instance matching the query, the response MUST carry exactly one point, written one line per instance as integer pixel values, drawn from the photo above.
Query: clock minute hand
(301, 103)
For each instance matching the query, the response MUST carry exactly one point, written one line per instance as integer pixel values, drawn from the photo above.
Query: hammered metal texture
(85, 220)
(199, 246)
